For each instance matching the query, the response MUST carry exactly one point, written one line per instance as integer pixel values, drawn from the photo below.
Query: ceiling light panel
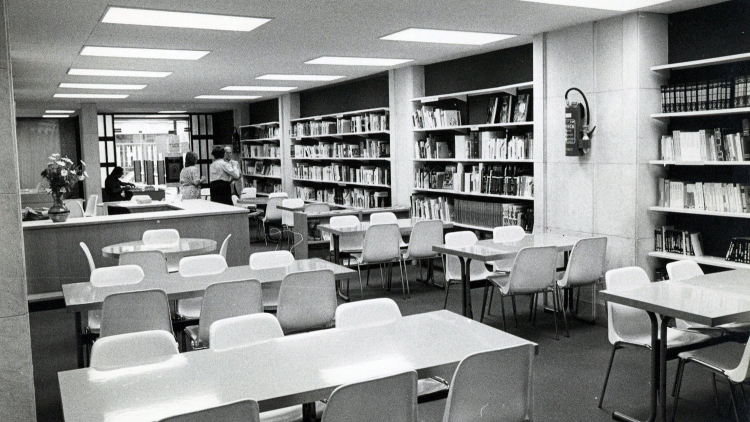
(101, 86)
(173, 112)
(357, 61)
(228, 97)
(163, 18)
(440, 36)
(143, 53)
(258, 88)
(55, 116)
(617, 5)
(280, 77)
(112, 96)
(59, 112)
(118, 73)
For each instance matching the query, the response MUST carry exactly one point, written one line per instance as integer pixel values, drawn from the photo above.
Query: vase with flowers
(62, 176)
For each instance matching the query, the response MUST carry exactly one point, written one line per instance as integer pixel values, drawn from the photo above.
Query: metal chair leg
(565, 318)
(368, 275)
(555, 308)
(734, 402)
(484, 299)
(502, 308)
(606, 377)
(515, 314)
(447, 290)
(716, 393)
(404, 280)
(489, 308)
(677, 385)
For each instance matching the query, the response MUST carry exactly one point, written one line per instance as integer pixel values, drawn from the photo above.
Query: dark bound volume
(138, 169)
(161, 170)
(149, 172)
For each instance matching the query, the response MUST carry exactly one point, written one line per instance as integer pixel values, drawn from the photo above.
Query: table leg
(466, 286)
(337, 260)
(79, 340)
(308, 412)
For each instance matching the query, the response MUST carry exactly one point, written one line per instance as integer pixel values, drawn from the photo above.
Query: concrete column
(404, 84)
(16, 372)
(288, 109)
(89, 129)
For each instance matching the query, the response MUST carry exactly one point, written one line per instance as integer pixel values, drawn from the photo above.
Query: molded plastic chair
(161, 237)
(235, 198)
(196, 266)
(317, 208)
(683, 270)
(307, 301)
(273, 213)
(224, 300)
(347, 244)
(483, 381)
(76, 210)
(287, 217)
(391, 398)
(111, 276)
(478, 271)
(381, 246)
(628, 326)
(241, 411)
(89, 257)
(506, 234)
(367, 312)
(153, 263)
(91, 206)
(131, 349)
(424, 235)
(266, 260)
(249, 193)
(245, 330)
(585, 268)
(133, 312)
(224, 246)
(383, 218)
(278, 195)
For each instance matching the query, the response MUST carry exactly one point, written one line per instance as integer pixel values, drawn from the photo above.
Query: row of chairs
(76, 208)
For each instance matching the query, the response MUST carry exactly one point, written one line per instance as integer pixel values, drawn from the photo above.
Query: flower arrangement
(62, 174)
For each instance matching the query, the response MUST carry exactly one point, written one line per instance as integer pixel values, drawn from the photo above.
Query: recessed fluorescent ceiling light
(100, 86)
(122, 73)
(59, 112)
(143, 53)
(618, 5)
(440, 36)
(357, 61)
(173, 112)
(277, 77)
(91, 95)
(181, 19)
(228, 97)
(55, 116)
(258, 88)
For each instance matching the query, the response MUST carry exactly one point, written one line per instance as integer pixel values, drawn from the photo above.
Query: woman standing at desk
(223, 172)
(190, 177)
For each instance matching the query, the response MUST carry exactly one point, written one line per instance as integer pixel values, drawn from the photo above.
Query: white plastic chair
(91, 205)
(224, 246)
(76, 210)
(585, 268)
(506, 234)
(235, 198)
(424, 235)
(111, 276)
(132, 349)
(278, 195)
(273, 213)
(245, 330)
(391, 398)
(287, 217)
(266, 260)
(206, 194)
(478, 271)
(161, 237)
(482, 385)
(367, 312)
(136, 311)
(241, 411)
(196, 266)
(89, 257)
(683, 270)
(347, 244)
(248, 193)
(307, 301)
(381, 246)
(153, 263)
(383, 218)
(628, 326)
(317, 208)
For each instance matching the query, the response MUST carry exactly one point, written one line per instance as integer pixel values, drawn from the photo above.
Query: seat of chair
(255, 214)
(503, 265)
(429, 386)
(189, 308)
(94, 321)
(675, 338)
(562, 281)
(407, 256)
(723, 356)
(477, 277)
(358, 257)
(192, 332)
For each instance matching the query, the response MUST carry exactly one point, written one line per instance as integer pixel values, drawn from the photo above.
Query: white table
(291, 370)
(712, 300)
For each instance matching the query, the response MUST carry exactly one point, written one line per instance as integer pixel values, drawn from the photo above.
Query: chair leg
(447, 290)
(515, 314)
(606, 377)
(532, 303)
(555, 308)
(484, 299)
(734, 402)
(404, 280)
(534, 306)
(565, 318)
(489, 307)
(368, 275)
(716, 393)
(502, 308)
(677, 385)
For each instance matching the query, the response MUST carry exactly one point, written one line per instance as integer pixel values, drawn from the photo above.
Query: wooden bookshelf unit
(260, 145)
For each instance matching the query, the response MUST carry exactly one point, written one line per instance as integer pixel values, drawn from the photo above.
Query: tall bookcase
(475, 168)
(261, 156)
(716, 227)
(343, 158)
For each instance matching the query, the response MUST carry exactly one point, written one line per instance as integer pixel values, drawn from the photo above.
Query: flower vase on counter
(62, 176)
(58, 212)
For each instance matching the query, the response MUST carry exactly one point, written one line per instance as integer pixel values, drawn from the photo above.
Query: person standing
(190, 177)
(223, 172)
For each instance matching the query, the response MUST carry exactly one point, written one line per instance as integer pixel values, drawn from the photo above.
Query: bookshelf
(700, 212)
(343, 158)
(260, 145)
(702, 113)
(699, 163)
(713, 261)
(473, 157)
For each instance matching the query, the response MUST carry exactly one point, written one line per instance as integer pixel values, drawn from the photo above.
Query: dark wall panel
(349, 96)
(223, 127)
(719, 30)
(496, 68)
(264, 111)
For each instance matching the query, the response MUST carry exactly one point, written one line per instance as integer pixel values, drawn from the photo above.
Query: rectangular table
(283, 372)
(488, 251)
(712, 300)
(81, 297)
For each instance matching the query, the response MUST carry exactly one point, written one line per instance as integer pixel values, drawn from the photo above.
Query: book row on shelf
(255, 132)
(486, 145)
(369, 148)
(264, 151)
(262, 169)
(500, 109)
(343, 173)
(475, 213)
(265, 186)
(716, 94)
(351, 197)
(718, 197)
(494, 180)
(371, 122)
(739, 250)
(704, 145)
(431, 117)
(668, 239)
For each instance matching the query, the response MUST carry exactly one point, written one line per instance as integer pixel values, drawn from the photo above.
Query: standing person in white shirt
(222, 173)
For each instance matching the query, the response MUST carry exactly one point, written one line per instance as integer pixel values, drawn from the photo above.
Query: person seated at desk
(222, 173)
(115, 189)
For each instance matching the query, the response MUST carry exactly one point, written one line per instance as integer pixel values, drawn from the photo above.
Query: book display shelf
(343, 158)
(705, 194)
(473, 157)
(261, 156)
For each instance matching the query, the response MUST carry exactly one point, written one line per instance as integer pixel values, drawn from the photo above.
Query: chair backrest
(224, 246)
(132, 349)
(193, 266)
(161, 237)
(391, 398)
(116, 276)
(483, 381)
(91, 206)
(89, 258)
(533, 269)
(278, 195)
(742, 372)
(240, 331)
(506, 234)
(317, 208)
(624, 322)
(586, 263)
(383, 218)
(424, 235)
(453, 266)
(347, 242)
(227, 300)
(287, 217)
(367, 312)
(271, 259)
(131, 312)
(235, 198)
(153, 263)
(381, 243)
(76, 210)
(241, 411)
(249, 193)
(683, 270)
(272, 211)
(206, 193)
(307, 301)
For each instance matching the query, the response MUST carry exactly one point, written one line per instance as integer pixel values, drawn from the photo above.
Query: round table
(186, 247)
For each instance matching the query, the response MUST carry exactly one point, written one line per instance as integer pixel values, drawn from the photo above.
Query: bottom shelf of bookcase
(713, 261)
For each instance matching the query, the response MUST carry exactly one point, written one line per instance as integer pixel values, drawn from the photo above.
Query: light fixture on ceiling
(143, 53)
(55, 116)
(170, 19)
(101, 86)
(227, 97)
(59, 112)
(441, 36)
(258, 88)
(616, 5)
(357, 61)
(173, 112)
(281, 77)
(111, 96)
(119, 73)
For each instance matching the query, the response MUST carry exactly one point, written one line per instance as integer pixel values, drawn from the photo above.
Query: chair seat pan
(502, 281)
(189, 308)
(477, 277)
(503, 265)
(675, 338)
(192, 332)
(358, 257)
(95, 321)
(725, 356)
(427, 386)
(407, 256)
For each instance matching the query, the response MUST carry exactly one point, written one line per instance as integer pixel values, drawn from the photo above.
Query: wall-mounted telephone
(577, 134)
